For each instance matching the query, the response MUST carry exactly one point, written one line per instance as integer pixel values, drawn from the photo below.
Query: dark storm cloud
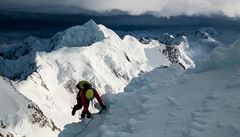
(135, 7)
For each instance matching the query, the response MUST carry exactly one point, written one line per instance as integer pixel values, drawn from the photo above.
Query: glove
(89, 115)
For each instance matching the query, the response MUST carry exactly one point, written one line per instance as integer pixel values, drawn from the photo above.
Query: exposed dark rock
(70, 85)
(42, 82)
(39, 118)
(144, 40)
(172, 53)
(127, 57)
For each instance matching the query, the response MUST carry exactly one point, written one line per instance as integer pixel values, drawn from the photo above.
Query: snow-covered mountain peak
(77, 36)
(91, 24)
(84, 35)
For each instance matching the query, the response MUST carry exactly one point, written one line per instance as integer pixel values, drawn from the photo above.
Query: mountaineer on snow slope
(86, 94)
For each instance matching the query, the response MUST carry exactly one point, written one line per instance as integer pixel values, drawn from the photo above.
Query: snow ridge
(90, 52)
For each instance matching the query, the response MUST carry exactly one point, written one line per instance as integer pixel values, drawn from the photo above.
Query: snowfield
(148, 93)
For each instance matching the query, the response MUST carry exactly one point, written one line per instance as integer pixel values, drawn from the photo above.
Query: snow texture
(144, 96)
(170, 102)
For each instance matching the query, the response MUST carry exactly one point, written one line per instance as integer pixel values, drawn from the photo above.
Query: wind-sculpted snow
(221, 57)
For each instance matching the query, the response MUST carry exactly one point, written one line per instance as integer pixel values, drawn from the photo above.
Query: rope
(83, 128)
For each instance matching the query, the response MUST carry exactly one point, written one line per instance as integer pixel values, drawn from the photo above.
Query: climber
(85, 95)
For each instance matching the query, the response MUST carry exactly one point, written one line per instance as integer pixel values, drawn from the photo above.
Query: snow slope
(171, 102)
(47, 75)
(19, 116)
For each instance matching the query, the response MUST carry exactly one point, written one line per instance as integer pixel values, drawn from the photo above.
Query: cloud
(135, 7)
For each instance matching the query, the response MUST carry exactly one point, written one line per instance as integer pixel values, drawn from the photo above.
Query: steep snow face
(183, 58)
(19, 116)
(89, 52)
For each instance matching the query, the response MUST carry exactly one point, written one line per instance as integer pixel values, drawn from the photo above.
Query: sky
(160, 8)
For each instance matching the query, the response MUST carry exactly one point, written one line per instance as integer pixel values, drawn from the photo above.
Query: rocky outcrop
(40, 119)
